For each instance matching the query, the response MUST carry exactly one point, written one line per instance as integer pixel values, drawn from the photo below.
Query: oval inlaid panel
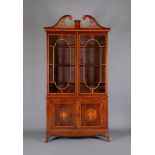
(91, 114)
(63, 115)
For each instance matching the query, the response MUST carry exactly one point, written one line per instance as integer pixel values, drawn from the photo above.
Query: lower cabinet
(77, 114)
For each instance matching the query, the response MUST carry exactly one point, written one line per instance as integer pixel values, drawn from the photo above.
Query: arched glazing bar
(84, 64)
(55, 83)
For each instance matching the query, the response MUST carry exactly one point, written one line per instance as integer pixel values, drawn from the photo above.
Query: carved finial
(77, 23)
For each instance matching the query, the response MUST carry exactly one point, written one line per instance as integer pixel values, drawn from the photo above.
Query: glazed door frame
(48, 64)
(78, 62)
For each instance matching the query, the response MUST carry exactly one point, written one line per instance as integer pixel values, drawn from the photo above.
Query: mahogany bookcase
(77, 78)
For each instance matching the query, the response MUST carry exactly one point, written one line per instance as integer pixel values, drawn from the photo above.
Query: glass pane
(54, 89)
(101, 39)
(92, 74)
(51, 73)
(92, 56)
(103, 55)
(50, 55)
(70, 39)
(83, 39)
(61, 56)
(61, 74)
(100, 89)
(53, 39)
(103, 73)
(85, 89)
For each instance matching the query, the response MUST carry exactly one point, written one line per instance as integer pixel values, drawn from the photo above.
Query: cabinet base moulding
(78, 133)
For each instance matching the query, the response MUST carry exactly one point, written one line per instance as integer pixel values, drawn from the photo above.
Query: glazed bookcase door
(61, 63)
(92, 63)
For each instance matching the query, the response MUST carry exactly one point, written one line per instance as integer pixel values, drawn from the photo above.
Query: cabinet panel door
(92, 114)
(62, 114)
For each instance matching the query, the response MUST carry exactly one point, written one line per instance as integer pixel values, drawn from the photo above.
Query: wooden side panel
(47, 113)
